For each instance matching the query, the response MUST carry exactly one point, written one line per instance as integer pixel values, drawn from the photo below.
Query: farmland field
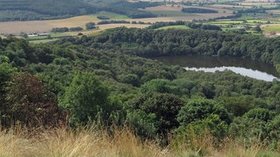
(174, 27)
(56, 36)
(16, 27)
(262, 4)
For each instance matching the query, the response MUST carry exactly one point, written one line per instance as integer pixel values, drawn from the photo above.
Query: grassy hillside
(42, 9)
(47, 9)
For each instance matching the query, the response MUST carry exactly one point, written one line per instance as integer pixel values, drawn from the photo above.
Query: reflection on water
(245, 67)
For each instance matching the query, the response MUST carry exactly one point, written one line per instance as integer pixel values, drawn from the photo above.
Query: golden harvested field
(17, 27)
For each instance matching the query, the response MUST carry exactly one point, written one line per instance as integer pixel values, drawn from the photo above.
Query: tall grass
(121, 143)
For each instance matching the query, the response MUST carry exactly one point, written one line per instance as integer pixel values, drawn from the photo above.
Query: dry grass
(122, 143)
(82, 143)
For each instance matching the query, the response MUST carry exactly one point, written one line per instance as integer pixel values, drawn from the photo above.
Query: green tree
(130, 79)
(274, 132)
(90, 25)
(278, 68)
(6, 72)
(211, 125)
(259, 113)
(156, 85)
(87, 99)
(248, 129)
(200, 109)
(154, 114)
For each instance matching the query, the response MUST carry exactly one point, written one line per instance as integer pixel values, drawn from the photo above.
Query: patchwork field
(262, 4)
(56, 36)
(16, 27)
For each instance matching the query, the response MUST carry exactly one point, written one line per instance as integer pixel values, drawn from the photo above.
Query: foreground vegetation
(104, 80)
(120, 143)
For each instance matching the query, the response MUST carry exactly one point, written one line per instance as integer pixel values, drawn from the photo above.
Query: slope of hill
(102, 79)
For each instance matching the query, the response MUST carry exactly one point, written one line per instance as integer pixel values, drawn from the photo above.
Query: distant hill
(11, 10)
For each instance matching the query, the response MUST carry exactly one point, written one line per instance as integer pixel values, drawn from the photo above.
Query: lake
(244, 67)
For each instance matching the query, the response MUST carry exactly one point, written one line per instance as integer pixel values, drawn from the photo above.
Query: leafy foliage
(158, 110)
(87, 99)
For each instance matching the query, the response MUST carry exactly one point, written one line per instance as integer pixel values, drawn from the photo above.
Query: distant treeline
(251, 11)
(113, 21)
(198, 10)
(192, 25)
(121, 22)
(66, 29)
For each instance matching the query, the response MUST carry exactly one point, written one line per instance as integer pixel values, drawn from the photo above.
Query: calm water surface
(245, 67)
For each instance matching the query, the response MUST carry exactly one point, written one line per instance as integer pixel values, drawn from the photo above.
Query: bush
(130, 79)
(154, 114)
(75, 29)
(90, 25)
(87, 100)
(200, 109)
(31, 104)
(60, 30)
(103, 17)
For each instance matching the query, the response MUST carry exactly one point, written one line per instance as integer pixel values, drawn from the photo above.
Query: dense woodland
(105, 80)
(49, 9)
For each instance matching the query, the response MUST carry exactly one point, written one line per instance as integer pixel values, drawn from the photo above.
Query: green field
(174, 27)
(43, 41)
